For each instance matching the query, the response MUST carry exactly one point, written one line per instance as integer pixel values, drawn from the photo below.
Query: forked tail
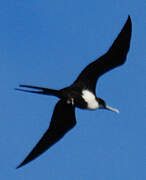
(39, 90)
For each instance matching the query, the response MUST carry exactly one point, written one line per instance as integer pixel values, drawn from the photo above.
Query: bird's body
(90, 99)
(81, 93)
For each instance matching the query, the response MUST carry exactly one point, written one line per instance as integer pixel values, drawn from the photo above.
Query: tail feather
(39, 90)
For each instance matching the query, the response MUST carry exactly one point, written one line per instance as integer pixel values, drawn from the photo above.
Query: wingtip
(129, 20)
(127, 28)
(129, 16)
(20, 165)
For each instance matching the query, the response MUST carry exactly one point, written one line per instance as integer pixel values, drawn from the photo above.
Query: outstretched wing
(63, 119)
(115, 56)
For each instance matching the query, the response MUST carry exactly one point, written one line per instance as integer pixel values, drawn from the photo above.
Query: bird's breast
(83, 99)
(90, 99)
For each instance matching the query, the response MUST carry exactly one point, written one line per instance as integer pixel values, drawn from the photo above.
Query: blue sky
(47, 43)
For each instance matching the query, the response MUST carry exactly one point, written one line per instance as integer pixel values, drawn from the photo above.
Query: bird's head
(103, 105)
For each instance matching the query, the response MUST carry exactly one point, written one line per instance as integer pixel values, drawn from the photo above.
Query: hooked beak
(112, 109)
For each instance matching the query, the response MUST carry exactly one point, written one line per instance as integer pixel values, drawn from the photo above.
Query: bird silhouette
(81, 93)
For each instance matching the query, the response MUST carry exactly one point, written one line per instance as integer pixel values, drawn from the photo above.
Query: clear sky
(47, 43)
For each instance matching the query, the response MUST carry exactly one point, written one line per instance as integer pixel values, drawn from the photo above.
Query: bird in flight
(80, 94)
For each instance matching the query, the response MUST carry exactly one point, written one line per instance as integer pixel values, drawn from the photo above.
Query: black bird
(80, 94)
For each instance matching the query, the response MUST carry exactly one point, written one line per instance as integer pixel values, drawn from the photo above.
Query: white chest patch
(90, 99)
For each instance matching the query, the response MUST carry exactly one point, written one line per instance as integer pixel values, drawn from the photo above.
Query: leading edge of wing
(115, 56)
(63, 119)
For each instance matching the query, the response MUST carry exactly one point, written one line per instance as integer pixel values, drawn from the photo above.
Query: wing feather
(115, 56)
(63, 119)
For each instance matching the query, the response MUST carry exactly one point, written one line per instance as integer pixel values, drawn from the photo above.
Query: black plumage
(80, 94)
